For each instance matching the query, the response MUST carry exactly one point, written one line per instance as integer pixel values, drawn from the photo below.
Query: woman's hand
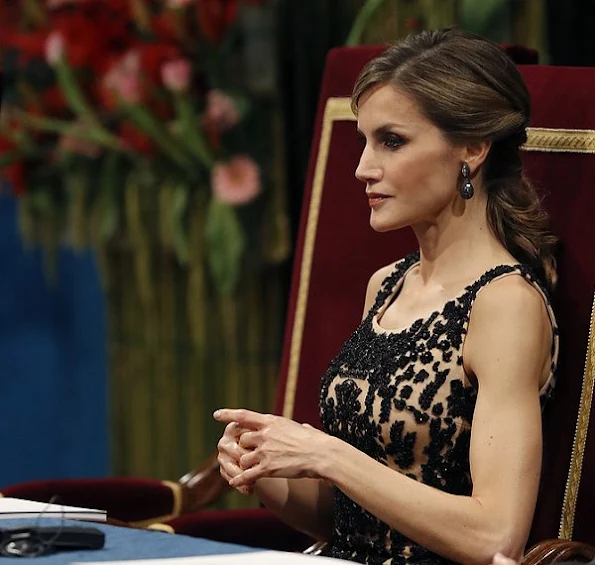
(273, 447)
(230, 454)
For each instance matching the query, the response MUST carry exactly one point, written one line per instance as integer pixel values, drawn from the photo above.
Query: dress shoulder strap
(529, 275)
(390, 283)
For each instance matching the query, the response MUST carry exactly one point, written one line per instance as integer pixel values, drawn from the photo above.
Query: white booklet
(20, 508)
(253, 558)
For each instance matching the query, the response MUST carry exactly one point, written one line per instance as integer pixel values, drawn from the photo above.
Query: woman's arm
(305, 504)
(508, 351)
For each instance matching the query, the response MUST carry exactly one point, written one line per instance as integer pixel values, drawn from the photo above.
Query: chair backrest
(337, 251)
(560, 158)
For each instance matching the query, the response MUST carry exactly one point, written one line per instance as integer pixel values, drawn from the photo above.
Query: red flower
(94, 34)
(165, 27)
(153, 56)
(53, 102)
(215, 17)
(29, 45)
(90, 8)
(136, 139)
(15, 173)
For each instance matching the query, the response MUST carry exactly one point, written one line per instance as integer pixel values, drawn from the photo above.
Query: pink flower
(221, 112)
(176, 75)
(54, 47)
(237, 181)
(124, 78)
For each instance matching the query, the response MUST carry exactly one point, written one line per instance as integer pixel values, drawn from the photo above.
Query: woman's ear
(475, 154)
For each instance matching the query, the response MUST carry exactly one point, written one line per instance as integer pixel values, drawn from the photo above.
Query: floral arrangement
(128, 121)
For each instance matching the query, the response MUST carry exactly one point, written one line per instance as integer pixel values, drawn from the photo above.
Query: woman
(431, 449)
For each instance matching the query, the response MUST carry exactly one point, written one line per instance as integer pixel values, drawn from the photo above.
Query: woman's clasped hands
(255, 446)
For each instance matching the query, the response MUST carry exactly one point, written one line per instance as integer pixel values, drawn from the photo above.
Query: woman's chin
(382, 226)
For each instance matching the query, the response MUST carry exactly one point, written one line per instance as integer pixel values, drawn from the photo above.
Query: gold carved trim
(580, 437)
(560, 140)
(166, 528)
(334, 110)
(176, 491)
(538, 139)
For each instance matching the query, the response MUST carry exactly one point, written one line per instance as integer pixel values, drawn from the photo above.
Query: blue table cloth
(122, 543)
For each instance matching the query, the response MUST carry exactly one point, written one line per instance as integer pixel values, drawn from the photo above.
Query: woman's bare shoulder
(509, 326)
(510, 297)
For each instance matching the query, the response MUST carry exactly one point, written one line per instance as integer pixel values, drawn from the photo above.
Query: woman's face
(411, 171)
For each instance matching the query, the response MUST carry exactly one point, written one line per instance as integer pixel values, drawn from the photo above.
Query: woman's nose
(368, 170)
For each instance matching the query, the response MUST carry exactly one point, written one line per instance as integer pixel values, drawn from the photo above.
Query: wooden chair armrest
(202, 487)
(557, 551)
(543, 553)
(316, 548)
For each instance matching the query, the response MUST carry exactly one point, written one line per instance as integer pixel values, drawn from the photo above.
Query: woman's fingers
(247, 489)
(229, 466)
(230, 453)
(234, 430)
(243, 489)
(229, 445)
(248, 477)
(250, 440)
(248, 460)
(247, 418)
(224, 473)
(229, 470)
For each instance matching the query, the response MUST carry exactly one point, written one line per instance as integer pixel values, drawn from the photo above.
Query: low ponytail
(521, 224)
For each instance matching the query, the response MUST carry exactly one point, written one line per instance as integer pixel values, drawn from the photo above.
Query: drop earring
(466, 191)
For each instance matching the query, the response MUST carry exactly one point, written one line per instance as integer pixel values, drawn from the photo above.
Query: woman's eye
(393, 141)
(361, 139)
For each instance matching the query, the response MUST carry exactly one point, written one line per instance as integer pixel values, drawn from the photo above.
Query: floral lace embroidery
(403, 399)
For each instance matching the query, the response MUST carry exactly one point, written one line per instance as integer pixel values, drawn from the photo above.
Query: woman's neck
(458, 246)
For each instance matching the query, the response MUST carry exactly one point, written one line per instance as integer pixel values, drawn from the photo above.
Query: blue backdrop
(53, 363)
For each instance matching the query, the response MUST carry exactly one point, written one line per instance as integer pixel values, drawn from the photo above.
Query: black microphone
(41, 540)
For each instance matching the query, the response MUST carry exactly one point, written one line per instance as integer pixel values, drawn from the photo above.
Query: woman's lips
(375, 199)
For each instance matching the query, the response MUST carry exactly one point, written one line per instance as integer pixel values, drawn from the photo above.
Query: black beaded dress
(403, 398)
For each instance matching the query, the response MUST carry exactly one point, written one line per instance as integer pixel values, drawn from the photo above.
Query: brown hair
(472, 91)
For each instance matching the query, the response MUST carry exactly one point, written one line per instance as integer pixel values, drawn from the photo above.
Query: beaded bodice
(403, 398)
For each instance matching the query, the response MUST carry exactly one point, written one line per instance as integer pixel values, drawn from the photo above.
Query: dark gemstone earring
(466, 191)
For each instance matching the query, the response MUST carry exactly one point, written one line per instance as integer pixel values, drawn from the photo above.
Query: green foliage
(225, 242)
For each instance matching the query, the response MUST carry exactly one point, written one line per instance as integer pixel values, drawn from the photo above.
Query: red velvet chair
(337, 251)
(130, 501)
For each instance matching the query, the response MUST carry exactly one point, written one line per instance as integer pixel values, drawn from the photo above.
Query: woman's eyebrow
(383, 129)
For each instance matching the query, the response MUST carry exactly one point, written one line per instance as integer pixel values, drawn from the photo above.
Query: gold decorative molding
(166, 528)
(333, 111)
(156, 522)
(580, 437)
(538, 139)
(560, 140)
